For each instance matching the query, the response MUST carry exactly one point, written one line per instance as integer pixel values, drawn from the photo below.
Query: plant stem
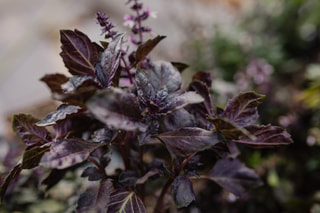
(139, 25)
(158, 208)
(98, 165)
(159, 205)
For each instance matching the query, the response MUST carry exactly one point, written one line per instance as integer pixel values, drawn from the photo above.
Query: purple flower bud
(106, 25)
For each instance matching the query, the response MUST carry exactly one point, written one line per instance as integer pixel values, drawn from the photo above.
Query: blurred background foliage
(274, 50)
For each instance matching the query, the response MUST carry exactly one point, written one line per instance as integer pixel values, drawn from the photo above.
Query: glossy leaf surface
(62, 112)
(108, 62)
(117, 109)
(25, 128)
(234, 176)
(182, 191)
(79, 54)
(122, 201)
(189, 140)
(162, 76)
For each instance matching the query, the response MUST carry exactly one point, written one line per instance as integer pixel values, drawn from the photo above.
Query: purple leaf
(180, 101)
(162, 76)
(182, 191)
(12, 175)
(242, 109)
(122, 201)
(93, 173)
(117, 109)
(202, 89)
(95, 200)
(189, 140)
(108, 62)
(68, 152)
(234, 176)
(229, 129)
(77, 90)
(179, 66)
(103, 135)
(79, 54)
(128, 177)
(63, 111)
(53, 178)
(76, 81)
(266, 136)
(55, 81)
(25, 128)
(32, 157)
(203, 77)
(176, 120)
(145, 48)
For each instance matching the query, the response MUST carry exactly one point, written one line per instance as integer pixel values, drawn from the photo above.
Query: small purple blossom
(134, 22)
(106, 25)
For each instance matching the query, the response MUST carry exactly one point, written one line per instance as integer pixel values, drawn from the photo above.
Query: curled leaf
(62, 112)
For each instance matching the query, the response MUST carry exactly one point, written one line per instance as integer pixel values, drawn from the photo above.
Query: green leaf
(234, 176)
(145, 48)
(189, 140)
(122, 201)
(25, 128)
(68, 152)
(117, 109)
(242, 109)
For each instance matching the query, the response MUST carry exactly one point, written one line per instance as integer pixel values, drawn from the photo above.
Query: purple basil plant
(122, 103)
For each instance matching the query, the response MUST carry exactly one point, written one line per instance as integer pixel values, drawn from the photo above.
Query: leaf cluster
(136, 108)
